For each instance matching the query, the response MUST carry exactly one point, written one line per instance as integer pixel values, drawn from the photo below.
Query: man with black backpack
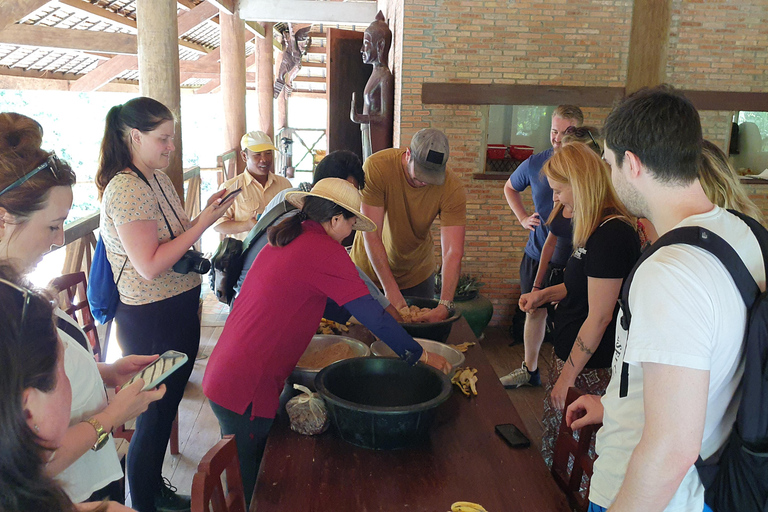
(675, 388)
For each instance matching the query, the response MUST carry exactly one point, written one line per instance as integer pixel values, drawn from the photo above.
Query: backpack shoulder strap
(265, 221)
(705, 239)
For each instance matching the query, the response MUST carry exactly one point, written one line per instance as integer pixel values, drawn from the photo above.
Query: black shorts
(528, 269)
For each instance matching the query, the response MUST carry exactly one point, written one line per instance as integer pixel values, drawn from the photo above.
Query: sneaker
(521, 377)
(169, 501)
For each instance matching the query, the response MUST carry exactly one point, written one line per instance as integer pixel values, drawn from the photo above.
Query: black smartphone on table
(513, 436)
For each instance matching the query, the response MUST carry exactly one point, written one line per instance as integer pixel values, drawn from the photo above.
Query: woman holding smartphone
(146, 232)
(35, 198)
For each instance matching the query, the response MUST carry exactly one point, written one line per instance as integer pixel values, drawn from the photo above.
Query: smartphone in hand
(158, 370)
(231, 194)
(513, 436)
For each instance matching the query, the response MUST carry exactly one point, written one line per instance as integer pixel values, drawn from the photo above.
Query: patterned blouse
(126, 199)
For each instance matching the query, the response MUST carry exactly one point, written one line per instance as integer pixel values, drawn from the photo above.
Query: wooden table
(464, 460)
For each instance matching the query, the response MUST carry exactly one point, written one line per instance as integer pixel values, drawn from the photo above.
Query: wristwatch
(102, 436)
(447, 303)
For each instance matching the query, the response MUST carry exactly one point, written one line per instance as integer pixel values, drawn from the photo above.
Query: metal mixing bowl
(453, 356)
(306, 376)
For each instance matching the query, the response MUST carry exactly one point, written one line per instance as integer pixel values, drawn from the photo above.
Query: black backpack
(228, 260)
(736, 477)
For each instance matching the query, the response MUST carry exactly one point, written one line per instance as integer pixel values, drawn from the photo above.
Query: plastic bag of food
(307, 412)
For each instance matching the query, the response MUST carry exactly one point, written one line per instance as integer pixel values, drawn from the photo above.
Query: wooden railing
(80, 240)
(227, 163)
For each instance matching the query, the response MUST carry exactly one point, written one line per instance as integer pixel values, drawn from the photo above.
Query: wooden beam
(104, 73)
(95, 10)
(310, 79)
(309, 11)
(316, 49)
(648, 42)
(306, 64)
(728, 101)
(256, 28)
(24, 73)
(309, 94)
(503, 94)
(193, 18)
(211, 86)
(81, 40)
(228, 6)
(12, 11)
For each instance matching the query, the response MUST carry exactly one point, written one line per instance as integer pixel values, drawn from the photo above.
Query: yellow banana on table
(466, 380)
(462, 347)
(466, 506)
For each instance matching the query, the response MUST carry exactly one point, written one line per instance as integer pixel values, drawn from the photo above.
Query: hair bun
(19, 134)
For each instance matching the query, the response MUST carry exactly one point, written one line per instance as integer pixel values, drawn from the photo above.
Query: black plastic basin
(382, 403)
(437, 331)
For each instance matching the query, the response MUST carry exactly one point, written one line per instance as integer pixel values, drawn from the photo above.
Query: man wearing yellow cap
(259, 183)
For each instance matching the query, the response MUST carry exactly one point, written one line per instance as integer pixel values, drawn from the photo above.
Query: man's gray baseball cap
(429, 152)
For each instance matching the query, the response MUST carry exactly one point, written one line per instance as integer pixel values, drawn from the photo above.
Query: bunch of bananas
(462, 347)
(466, 506)
(466, 379)
(331, 327)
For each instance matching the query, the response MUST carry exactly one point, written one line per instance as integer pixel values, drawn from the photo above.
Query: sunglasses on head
(51, 163)
(25, 294)
(582, 133)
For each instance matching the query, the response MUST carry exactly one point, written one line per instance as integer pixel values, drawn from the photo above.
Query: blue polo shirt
(528, 174)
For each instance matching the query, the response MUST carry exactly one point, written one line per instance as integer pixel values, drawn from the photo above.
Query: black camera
(192, 261)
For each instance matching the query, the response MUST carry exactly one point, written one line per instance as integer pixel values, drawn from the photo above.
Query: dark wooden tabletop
(464, 460)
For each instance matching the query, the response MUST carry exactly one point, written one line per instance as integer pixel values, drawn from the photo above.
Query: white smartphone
(159, 369)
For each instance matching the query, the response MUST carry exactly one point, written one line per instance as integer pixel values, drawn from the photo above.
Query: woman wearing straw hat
(279, 308)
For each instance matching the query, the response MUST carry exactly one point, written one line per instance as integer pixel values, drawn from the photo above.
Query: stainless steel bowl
(306, 376)
(453, 356)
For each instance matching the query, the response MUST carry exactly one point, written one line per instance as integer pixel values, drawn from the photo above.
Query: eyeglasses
(51, 163)
(25, 293)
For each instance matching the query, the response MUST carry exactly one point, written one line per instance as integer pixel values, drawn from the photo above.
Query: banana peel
(331, 327)
(462, 347)
(466, 380)
(466, 506)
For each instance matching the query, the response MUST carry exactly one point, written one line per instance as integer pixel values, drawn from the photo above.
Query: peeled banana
(466, 380)
(466, 506)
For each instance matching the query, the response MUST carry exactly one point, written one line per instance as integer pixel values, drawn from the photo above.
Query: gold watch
(102, 436)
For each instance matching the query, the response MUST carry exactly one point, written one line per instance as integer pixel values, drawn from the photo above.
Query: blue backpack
(102, 293)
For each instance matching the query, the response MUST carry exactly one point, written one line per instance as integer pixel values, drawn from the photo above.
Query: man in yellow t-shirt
(406, 189)
(259, 183)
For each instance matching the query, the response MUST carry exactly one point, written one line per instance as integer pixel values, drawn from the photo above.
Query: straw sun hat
(339, 191)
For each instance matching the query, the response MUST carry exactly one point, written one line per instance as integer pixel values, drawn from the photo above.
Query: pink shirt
(274, 318)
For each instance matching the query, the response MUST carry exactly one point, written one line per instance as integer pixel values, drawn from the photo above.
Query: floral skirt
(591, 380)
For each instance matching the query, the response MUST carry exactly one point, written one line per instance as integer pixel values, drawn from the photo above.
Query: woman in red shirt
(279, 308)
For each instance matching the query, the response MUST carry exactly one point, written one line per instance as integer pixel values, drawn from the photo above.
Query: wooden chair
(208, 490)
(567, 449)
(74, 302)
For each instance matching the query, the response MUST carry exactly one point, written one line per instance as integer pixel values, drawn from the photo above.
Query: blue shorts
(598, 508)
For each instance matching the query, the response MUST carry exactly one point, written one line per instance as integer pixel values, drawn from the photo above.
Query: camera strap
(159, 206)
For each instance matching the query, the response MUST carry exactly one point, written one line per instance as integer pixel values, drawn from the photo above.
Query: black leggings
(170, 324)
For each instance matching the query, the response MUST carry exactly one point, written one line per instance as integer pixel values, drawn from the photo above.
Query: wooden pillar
(648, 42)
(158, 38)
(265, 79)
(233, 81)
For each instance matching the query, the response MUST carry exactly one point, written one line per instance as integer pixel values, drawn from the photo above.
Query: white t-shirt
(93, 470)
(686, 311)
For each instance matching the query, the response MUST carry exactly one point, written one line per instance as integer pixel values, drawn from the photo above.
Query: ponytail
(144, 114)
(315, 208)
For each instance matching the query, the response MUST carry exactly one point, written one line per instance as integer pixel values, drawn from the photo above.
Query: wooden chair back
(567, 475)
(209, 492)
(73, 300)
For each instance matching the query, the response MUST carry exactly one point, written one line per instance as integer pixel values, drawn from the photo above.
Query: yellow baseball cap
(257, 142)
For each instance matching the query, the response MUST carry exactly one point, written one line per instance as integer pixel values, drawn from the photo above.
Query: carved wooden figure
(378, 97)
(295, 48)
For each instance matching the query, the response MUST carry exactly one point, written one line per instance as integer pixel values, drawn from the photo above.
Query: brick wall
(559, 42)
